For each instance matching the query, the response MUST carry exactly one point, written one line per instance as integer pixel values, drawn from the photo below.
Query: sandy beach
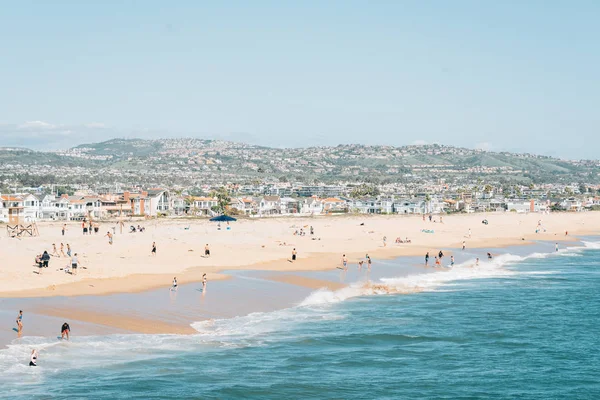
(258, 244)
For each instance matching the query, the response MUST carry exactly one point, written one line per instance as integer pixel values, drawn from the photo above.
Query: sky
(500, 75)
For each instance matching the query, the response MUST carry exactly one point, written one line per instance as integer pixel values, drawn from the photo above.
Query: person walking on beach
(110, 237)
(384, 241)
(427, 259)
(174, 287)
(206, 251)
(54, 251)
(312, 231)
(68, 250)
(294, 254)
(469, 234)
(64, 331)
(64, 229)
(62, 250)
(153, 248)
(83, 227)
(204, 282)
(464, 245)
(344, 262)
(74, 264)
(20, 322)
(33, 358)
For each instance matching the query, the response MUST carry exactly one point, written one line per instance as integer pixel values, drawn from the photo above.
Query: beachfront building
(269, 205)
(244, 205)
(409, 206)
(31, 207)
(11, 206)
(311, 206)
(289, 205)
(322, 191)
(159, 200)
(201, 205)
(333, 205)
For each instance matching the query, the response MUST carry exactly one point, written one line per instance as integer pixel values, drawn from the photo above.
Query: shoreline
(270, 258)
(242, 293)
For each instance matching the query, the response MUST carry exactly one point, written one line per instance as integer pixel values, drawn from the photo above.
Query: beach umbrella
(223, 218)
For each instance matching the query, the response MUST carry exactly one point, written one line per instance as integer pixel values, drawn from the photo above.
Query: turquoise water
(516, 327)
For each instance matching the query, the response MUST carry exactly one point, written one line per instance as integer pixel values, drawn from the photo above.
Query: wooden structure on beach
(16, 226)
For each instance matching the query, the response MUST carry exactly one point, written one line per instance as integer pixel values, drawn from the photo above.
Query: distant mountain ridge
(194, 159)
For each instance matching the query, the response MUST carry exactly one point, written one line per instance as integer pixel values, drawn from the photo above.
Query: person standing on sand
(45, 259)
(204, 281)
(62, 250)
(344, 262)
(68, 250)
(153, 248)
(54, 251)
(174, 287)
(441, 220)
(64, 229)
(384, 241)
(74, 264)
(206, 251)
(312, 231)
(83, 227)
(294, 254)
(464, 245)
(20, 322)
(427, 259)
(469, 234)
(110, 237)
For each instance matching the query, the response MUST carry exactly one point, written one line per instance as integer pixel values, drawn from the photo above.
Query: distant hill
(194, 161)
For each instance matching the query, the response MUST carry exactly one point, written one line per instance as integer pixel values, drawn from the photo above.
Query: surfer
(33, 359)
(64, 331)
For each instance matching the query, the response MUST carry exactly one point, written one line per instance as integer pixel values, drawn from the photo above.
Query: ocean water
(520, 326)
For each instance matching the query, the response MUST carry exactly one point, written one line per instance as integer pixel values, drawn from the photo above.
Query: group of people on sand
(43, 260)
(431, 219)
(87, 227)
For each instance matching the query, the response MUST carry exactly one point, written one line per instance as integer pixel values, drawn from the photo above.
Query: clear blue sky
(505, 75)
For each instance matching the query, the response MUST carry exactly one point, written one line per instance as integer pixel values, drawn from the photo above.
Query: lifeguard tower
(16, 226)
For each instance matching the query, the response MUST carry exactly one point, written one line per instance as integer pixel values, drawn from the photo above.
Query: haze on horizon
(516, 76)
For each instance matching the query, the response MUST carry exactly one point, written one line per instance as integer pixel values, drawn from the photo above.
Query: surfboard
(16, 330)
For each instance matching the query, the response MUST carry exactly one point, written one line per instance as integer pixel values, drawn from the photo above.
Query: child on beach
(344, 262)
(62, 250)
(174, 287)
(384, 241)
(54, 251)
(368, 262)
(294, 254)
(68, 250)
(153, 248)
(206, 251)
(74, 264)
(464, 245)
(110, 237)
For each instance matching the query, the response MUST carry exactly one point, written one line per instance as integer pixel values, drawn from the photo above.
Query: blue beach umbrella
(223, 218)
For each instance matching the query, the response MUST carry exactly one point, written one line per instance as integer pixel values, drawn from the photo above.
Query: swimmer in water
(477, 261)
(33, 359)
(452, 261)
(204, 281)
(489, 255)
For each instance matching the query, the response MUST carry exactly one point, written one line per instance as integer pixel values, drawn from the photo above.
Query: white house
(269, 205)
